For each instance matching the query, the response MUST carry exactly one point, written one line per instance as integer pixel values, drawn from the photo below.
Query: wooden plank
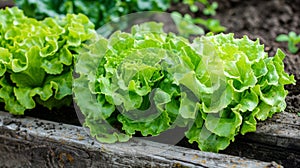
(277, 139)
(283, 128)
(28, 142)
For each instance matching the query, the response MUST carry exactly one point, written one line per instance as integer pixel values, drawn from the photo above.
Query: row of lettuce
(146, 81)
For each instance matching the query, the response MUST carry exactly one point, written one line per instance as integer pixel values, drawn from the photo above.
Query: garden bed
(34, 142)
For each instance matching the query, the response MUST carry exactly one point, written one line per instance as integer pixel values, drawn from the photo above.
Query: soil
(4, 3)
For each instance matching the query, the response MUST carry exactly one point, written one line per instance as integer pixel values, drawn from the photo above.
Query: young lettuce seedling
(209, 8)
(187, 25)
(292, 38)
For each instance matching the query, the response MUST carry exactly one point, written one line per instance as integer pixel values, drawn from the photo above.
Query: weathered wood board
(283, 127)
(277, 139)
(28, 142)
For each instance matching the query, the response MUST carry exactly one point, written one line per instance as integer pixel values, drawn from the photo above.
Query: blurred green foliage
(104, 11)
(98, 11)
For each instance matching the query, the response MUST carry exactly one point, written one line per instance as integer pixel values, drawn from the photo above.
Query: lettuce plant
(36, 58)
(293, 40)
(149, 81)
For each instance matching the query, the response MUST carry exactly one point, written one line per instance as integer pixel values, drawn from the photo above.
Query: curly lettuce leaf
(36, 60)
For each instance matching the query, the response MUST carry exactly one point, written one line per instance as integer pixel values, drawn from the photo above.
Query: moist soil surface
(256, 19)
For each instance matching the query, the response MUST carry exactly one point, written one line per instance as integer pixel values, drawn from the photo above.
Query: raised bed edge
(27, 142)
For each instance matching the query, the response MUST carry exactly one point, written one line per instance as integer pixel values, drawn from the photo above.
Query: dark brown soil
(4, 3)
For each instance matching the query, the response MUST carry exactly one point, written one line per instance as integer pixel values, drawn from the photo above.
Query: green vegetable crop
(148, 81)
(292, 39)
(209, 8)
(36, 58)
(98, 11)
(101, 12)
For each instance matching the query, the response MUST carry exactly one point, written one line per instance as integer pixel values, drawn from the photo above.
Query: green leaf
(282, 37)
(249, 124)
(154, 127)
(242, 74)
(259, 68)
(185, 25)
(24, 96)
(5, 58)
(49, 49)
(249, 101)
(284, 78)
(188, 109)
(11, 104)
(263, 111)
(104, 132)
(224, 126)
(53, 66)
(61, 84)
(272, 75)
(207, 141)
(32, 75)
(292, 47)
(271, 95)
(143, 4)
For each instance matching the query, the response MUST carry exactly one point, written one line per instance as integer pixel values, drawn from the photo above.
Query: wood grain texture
(283, 130)
(28, 142)
(276, 139)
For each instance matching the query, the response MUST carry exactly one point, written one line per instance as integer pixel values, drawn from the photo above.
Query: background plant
(209, 8)
(293, 40)
(98, 11)
(104, 11)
